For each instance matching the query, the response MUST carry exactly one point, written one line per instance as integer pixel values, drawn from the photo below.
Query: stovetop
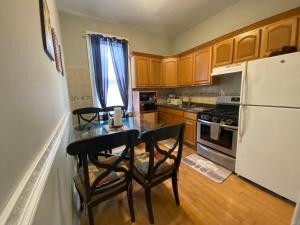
(223, 114)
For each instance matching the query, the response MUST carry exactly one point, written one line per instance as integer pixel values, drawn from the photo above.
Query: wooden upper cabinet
(169, 77)
(185, 74)
(279, 34)
(142, 71)
(202, 66)
(246, 46)
(223, 52)
(155, 72)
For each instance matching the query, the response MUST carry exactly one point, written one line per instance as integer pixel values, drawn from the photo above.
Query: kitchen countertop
(194, 108)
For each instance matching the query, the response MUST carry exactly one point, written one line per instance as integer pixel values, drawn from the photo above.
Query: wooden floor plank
(203, 202)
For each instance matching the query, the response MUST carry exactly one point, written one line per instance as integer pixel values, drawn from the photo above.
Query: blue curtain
(119, 54)
(100, 45)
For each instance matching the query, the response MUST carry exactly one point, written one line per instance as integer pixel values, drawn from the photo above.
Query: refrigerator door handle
(241, 122)
(244, 85)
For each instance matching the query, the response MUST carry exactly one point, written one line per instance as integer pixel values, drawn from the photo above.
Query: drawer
(174, 112)
(190, 116)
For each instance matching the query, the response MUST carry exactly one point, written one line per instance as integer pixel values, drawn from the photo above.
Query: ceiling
(165, 17)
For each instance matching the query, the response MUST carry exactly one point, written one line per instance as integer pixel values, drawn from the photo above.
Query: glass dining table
(98, 128)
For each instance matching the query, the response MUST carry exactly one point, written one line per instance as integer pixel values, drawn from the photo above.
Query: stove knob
(215, 119)
(229, 122)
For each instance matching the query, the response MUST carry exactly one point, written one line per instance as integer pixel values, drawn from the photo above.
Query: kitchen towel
(215, 131)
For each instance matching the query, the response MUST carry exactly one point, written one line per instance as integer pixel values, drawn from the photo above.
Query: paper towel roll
(117, 117)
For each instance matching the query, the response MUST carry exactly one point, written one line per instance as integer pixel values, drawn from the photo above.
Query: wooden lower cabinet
(163, 118)
(169, 119)
(150, 117)
(190, 131)
(178, 116)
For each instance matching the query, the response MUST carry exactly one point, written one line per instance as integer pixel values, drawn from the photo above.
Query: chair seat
(141, 164)
(112, 178)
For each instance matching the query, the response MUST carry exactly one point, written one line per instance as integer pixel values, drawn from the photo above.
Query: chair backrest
(109, 109)
(87, 150)
(93, 113)
(151, 139)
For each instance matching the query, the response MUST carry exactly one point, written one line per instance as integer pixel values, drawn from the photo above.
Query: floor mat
(213, 171)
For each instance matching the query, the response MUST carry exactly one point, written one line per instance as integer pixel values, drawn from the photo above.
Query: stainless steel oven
(226, 142)
(222, 150)
(217, 131)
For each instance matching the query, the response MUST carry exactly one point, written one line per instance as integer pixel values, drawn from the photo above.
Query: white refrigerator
(268, 149)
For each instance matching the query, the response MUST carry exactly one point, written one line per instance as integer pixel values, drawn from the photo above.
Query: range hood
(233, 68)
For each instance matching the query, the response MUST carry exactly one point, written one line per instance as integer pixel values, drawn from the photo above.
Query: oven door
(227, 138)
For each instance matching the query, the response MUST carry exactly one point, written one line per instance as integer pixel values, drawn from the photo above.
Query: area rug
(209, 169)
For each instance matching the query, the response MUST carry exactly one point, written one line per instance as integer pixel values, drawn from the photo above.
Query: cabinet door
(190, 132)
(142, 70)
(185, 75)
(246, 46)
(202, 66)
(169, 72)
(174, 119)
(155, 72)
(223, 53)
(163, 118)
(279, 34)
(150, 117)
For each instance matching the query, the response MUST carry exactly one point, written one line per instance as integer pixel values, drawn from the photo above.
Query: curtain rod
(87, 33)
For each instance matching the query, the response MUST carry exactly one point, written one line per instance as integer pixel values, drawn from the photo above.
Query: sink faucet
(189, 101)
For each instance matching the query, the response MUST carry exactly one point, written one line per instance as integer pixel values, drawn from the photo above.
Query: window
(113, 94)
(104, 75)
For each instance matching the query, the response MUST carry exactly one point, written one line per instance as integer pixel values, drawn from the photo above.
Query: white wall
(33, 94)
(238, 15)
(56, 204)
(73, 26)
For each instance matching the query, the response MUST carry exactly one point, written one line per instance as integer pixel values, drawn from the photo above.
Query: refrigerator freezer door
(268, 152)
(272, 81)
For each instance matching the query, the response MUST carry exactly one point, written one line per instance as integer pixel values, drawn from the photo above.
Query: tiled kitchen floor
(203, 202)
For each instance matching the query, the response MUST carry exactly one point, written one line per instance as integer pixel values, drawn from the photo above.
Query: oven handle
(221, 125)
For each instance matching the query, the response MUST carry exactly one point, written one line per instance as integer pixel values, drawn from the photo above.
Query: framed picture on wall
(46, 29)
(56, 51)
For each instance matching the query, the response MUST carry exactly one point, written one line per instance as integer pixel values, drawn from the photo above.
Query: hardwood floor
(203, 202)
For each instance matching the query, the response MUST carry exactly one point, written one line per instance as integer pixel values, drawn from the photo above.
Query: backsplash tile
(222, 85)
(79, 85)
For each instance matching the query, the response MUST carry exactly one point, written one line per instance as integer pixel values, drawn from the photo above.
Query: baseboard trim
(22, 206)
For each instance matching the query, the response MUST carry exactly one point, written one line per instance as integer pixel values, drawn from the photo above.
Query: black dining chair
(103, 176)
(88, 114)
(156, 164)
(109, 109)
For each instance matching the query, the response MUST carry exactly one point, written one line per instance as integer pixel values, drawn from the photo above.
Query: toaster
(176, 101)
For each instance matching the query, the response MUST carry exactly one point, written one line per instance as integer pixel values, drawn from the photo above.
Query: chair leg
(175, 188)
(130, 202)
(90, 215)
(80, 202)
(149, 204)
